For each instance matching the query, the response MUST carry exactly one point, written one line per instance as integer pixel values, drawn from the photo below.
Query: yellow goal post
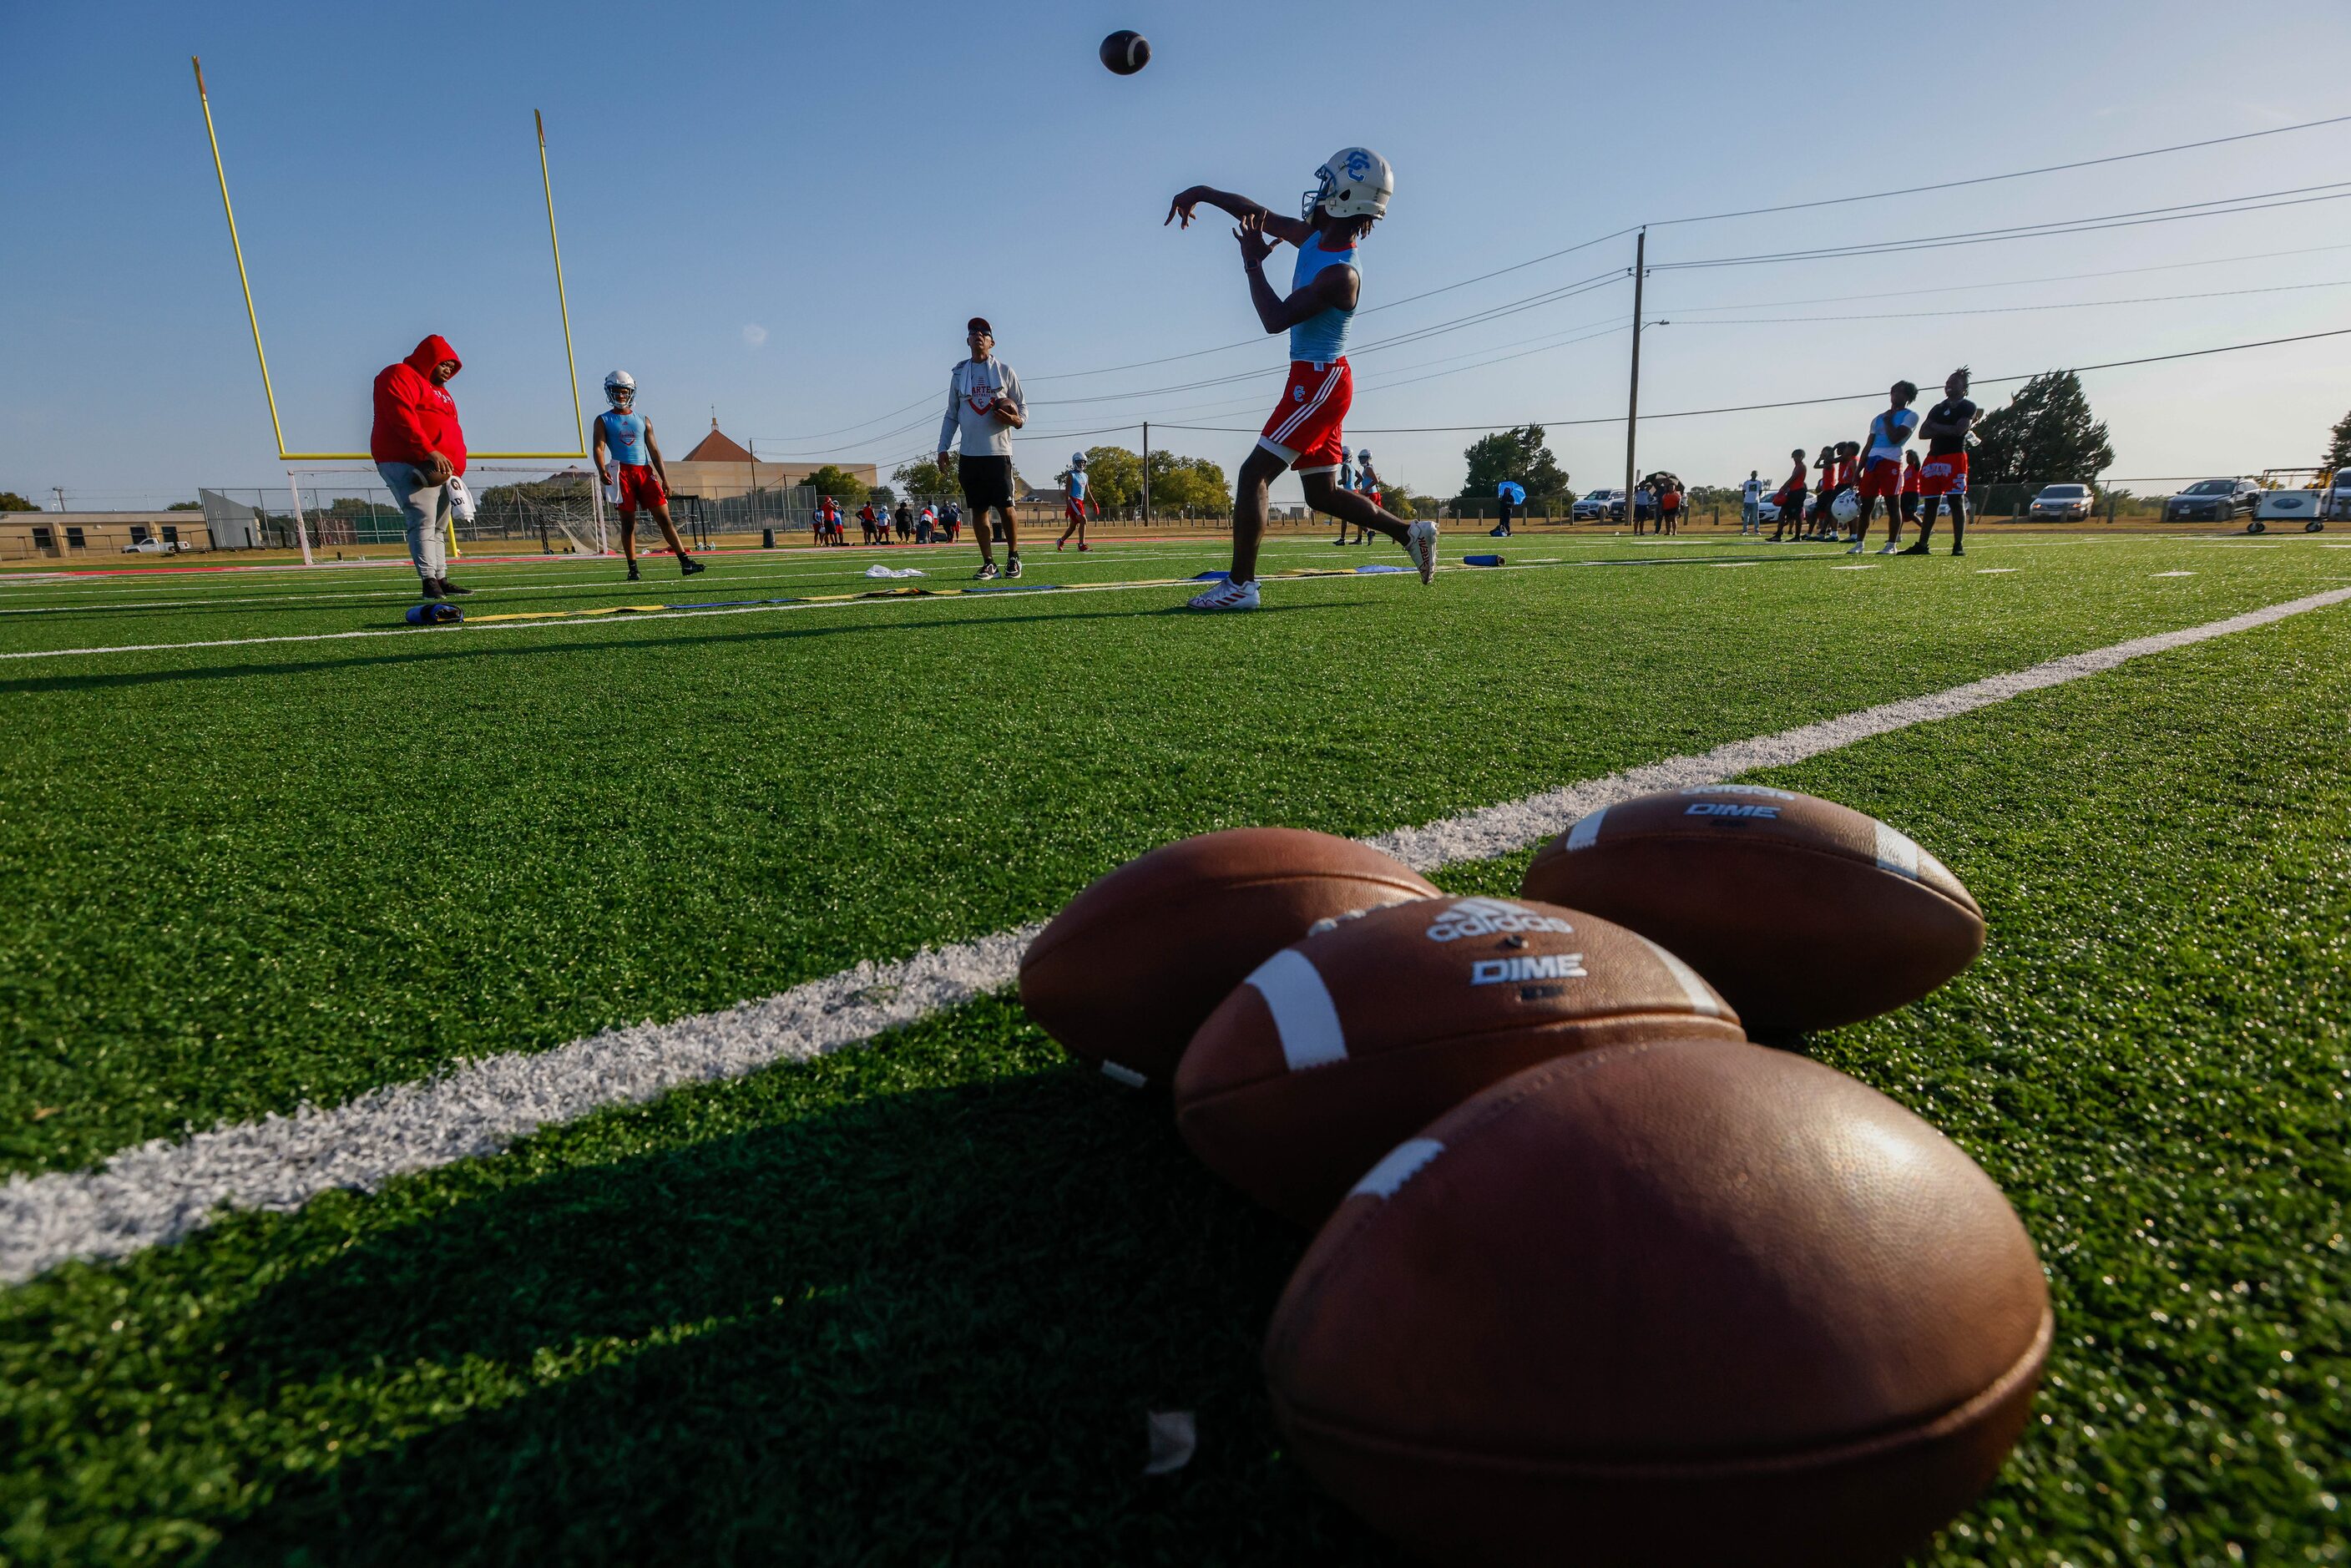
(579, 420)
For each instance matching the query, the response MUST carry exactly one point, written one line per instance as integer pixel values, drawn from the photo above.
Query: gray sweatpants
(426, 508)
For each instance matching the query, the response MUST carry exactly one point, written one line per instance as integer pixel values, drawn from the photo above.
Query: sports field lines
(160, 1192)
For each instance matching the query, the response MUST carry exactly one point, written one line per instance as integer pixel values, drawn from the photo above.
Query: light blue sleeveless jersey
(1323, 336)
(625, 434)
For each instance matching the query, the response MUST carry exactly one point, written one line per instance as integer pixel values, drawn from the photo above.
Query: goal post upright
(269, 391)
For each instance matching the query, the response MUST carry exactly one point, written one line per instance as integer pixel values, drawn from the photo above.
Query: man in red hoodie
(418, 447)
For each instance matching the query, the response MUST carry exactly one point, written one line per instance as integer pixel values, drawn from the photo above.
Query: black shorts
(1909, 505)
(986, 481)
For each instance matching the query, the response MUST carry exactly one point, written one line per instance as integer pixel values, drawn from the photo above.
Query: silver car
(2063, 503)
(1596, 506)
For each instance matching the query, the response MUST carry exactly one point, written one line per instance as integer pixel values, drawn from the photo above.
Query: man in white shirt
(1881, 473)
(985, 406)
(1751, 502)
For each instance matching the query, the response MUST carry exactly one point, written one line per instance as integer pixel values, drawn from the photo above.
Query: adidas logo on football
(1491, 916)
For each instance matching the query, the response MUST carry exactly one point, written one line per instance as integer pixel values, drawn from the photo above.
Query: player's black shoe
(633, 572)
(1012, 566)
(430, 587)
(452, 589)
(687, 566)
(1916, 550)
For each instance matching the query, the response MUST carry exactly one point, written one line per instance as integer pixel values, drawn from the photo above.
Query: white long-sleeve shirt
(972, 390)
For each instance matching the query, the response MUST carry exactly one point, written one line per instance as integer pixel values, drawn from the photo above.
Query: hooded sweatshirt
(413, 416)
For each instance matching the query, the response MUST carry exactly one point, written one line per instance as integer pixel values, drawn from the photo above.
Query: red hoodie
(413, 416)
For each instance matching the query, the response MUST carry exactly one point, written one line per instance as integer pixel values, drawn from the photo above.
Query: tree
(1193, 485)
(185, 506)
(1399, 501)
(838, 483)
(2045, 434)
(924, 480)
(12, 502)
(1516, 454)
(2339, 448)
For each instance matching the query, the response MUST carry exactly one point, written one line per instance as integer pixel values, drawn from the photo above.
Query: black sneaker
(430, 587)
(1914, 549)
(687, 566)
(633, 572)
(1958, 549)
(452, 589)
(1012, 566)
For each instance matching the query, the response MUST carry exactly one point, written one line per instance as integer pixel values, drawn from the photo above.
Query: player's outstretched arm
(1294, 230)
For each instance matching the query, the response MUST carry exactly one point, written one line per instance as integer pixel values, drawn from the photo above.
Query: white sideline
(161, 1191)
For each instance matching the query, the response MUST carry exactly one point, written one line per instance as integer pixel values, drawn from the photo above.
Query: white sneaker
(1855, 550)
(1888, 548)
(1420, 544)
(1226, 595)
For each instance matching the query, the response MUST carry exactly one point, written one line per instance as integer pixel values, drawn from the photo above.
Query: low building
(79, 536)
(721, 468)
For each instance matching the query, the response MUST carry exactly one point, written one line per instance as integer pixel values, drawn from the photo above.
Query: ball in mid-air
(1126, 51)
(1664, 1303)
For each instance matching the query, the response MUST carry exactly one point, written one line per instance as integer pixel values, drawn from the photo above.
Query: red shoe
(1083, 548)
(1064, 544)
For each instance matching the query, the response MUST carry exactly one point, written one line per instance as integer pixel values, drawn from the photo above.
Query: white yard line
(160, 1192)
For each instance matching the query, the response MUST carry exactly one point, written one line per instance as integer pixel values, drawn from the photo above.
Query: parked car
(2337, 504)
(1768, 509)
(2212, 501)
(2063, 503)
(1644, 506)
(1591, 508)
(153, 547)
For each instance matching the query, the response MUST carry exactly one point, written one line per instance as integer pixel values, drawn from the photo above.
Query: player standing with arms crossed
(1305, 432)
(1881, 473)
(1076, 508)
(628, 460)
(1945, 471)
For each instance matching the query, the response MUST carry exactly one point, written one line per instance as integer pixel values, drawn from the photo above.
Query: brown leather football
(1129, 970)
(1803, 913)
(1334, 1050)
(1678, 1303)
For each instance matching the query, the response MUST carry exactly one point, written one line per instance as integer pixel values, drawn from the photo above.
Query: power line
(2013, 309)
(2139, 218)
(1801, 402)
(2013, 175)
(2009, 283)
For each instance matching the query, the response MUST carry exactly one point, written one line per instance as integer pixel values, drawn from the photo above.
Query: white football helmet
(1354, 182)
(1364, 456)
(622, 388)
(1847, 508)
(1077, 459)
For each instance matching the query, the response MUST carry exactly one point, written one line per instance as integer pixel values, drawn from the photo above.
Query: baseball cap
(979, 324)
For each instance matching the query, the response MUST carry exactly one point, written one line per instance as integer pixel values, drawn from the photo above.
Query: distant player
(1304, 432)
(1367, 485)
(628, 460)
(1792, 500)
(1911, 485)
(1751, 502)
(1075, 509)
(1670, 506)
(1881, 474)
(1948, 429)
(1346, 482)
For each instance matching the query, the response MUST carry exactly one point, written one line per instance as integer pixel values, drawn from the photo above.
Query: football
(1126, 51)
(1131, 968)
(1684, 1302)
(1803, 913)
(1336, 1049)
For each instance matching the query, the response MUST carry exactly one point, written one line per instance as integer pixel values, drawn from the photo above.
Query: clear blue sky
(787, 211)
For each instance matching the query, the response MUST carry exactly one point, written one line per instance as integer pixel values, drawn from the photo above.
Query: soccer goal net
(516, 508)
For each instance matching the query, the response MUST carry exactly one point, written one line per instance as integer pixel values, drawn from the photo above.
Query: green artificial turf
(246, 878)
(911, 1303)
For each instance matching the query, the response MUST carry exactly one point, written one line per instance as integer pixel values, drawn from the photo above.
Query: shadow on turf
(436, 645)
(920, 1325)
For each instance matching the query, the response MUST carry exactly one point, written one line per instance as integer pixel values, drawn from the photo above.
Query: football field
(398, 1174)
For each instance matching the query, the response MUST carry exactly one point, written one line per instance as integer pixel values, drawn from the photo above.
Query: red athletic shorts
(640, 488)
(1075, 511)
(1883, 477)
(1944, 476)
(1305, 430)
(1373, 496)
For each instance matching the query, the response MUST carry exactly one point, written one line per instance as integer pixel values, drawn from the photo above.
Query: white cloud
(754, 334)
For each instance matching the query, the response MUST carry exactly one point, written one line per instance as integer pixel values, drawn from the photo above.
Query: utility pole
(1633, 403)
(1146, 473)
(58, 491)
